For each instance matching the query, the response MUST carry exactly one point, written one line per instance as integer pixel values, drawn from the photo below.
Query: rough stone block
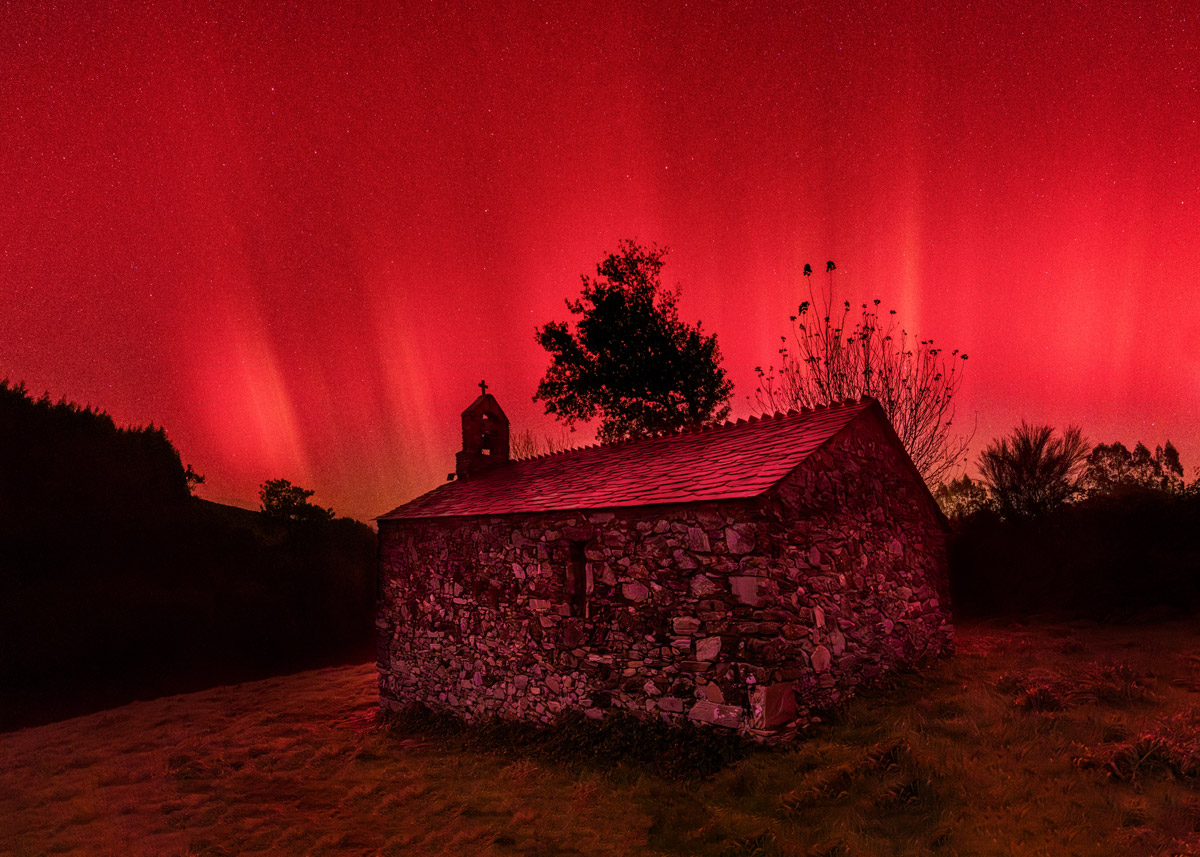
(671, 703)
(635, 591)
(684, 561)
(746, 588)
(702, 586)
(837, 641)
(708, 648)
(729, 716)
(773, 705)
(739, 539)
(698, 540)
(685, 624)
(820, 659)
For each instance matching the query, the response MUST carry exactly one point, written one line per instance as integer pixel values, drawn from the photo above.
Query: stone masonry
(746, 613)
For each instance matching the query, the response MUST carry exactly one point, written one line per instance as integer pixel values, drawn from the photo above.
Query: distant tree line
(116, 582)
(1056, 525)
(1037, 470)
(59, 459)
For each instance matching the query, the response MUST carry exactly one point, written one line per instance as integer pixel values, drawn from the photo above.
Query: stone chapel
(742, 575)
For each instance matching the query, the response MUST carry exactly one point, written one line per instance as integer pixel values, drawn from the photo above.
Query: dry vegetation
(1038, 739)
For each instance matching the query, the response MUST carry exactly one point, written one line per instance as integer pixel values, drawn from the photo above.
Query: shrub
(1032, 472)
(1172, 746)
(1040, 690)
(1102, 558)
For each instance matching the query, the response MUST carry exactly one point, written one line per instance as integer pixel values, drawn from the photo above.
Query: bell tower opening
(484, 436)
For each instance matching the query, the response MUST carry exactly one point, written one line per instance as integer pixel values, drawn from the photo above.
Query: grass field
(1033, 739)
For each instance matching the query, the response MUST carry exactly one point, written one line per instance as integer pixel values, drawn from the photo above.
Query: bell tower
(485, 436)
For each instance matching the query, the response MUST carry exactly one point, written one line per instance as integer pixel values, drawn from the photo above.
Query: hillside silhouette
(116, 583)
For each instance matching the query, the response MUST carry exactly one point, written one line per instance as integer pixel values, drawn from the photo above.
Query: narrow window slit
(577, 595)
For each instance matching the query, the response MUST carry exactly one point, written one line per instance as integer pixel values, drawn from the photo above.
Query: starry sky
(298, 237)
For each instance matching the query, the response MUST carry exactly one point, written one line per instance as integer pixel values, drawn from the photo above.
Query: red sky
(298, 237)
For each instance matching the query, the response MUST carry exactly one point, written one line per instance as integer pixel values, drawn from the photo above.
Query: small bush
(1171, 746)
(1113, 683)
(1035, 691)
(1041, 696)
(1109, 683)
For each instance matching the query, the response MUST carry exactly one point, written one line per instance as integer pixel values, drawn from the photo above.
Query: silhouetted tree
(64, 463)
(1033, 471)
(283, 501)
(192, 478)
(1113, 470)
(835, 356)
(961, 497)
(630, 361)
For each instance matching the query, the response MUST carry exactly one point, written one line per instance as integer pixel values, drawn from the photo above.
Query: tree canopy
(283, 501)
(1113, 470)
(630, 361)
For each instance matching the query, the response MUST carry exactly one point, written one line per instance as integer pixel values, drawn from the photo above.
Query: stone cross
(483, 388)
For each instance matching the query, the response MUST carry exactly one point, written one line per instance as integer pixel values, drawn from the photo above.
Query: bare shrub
(835, 355)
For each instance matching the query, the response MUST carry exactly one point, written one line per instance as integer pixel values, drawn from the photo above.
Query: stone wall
(741, 613)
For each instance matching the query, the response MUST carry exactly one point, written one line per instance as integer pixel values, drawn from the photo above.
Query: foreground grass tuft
(1043, 690)
(1171, 746)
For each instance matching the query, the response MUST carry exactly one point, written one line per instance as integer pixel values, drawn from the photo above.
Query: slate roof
(729, 461)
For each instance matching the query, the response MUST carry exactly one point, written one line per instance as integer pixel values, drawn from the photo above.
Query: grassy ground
(1035, 739)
